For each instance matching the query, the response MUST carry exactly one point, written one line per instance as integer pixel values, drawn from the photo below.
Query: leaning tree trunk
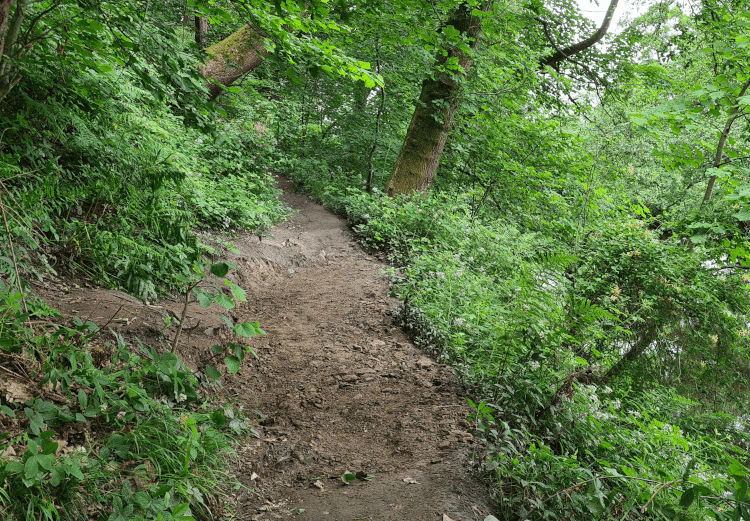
(233, 57)
(425, 139)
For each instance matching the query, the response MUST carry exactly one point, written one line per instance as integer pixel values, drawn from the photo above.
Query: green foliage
(538, 327)
(195, 282)
(153, 426)
(117, 194)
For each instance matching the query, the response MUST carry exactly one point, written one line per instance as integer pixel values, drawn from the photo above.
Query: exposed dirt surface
(338, 387)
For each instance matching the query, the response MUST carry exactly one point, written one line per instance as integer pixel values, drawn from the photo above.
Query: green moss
(234, 46)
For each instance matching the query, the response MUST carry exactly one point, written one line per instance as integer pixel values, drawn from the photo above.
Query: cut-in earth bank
(338, 387)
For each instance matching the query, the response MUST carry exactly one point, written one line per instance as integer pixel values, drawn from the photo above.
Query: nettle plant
(202, 275)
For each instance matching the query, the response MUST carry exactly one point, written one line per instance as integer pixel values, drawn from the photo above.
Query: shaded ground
(338, 386)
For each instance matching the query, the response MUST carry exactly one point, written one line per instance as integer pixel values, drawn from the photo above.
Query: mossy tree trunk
(425, 139)
(233, 57)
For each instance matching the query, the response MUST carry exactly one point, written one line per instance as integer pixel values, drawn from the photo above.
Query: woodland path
(338, 385)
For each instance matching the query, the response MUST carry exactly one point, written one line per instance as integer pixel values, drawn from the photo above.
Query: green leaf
(228, 322)
(31, 468)
(220, 269)
(348, 477)
(45, 461)
(14, 467)
(224, 301)
(736, 469)
(237, 292)
(246, 329)
(233, 364)
(741, 490)
(204, 298)
(57, 476)
(75, 471)
(7, 410)
(213, 373)
(119, 445)
(219, 418)
(181, 511)
(687, 498)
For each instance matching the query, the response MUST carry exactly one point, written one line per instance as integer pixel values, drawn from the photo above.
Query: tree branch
(565, 54)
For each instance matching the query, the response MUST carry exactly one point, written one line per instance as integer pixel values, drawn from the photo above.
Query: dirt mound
(338, 386)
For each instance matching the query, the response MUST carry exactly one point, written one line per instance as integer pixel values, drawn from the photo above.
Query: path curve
(342, 388)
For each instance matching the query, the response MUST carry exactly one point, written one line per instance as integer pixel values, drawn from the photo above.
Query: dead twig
(11, 372)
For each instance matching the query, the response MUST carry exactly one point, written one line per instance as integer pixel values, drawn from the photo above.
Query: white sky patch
(626, 9)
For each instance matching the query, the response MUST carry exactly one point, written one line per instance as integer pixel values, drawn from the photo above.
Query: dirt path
(338, 385)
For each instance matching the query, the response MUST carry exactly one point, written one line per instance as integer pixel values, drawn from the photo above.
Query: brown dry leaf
(446, 518)
(16, 392)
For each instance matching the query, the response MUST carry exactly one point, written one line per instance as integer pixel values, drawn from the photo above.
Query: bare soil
(338, 387)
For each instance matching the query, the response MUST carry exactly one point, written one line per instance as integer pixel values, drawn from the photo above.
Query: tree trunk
(425, 139)
(201, 31)
(233, 57)
(646, 339)
(733, 114)
(9, 54)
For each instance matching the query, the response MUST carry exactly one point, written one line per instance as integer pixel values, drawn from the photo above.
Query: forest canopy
(565, 205)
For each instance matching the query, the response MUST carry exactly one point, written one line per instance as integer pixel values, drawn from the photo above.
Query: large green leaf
(224, 301)
(246, 329)
(220, 269)
(233, 364)
(213, 373)
(204, 298)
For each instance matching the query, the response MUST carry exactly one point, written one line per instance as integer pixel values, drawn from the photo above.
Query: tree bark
(233, 57)
(563, 54)
(9, 54)
(201, 31)
(646, 339)
(425, 139)
(733, 114)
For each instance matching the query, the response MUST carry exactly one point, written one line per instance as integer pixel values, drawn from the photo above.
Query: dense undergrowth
(115, 190)
(533, 331)
(580, 258)
(112, 173)
(145, 440)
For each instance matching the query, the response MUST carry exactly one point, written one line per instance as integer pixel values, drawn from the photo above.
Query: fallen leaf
(318, 484)
(446, 518)
(412, 481)
(490, 518)
(253, 476)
